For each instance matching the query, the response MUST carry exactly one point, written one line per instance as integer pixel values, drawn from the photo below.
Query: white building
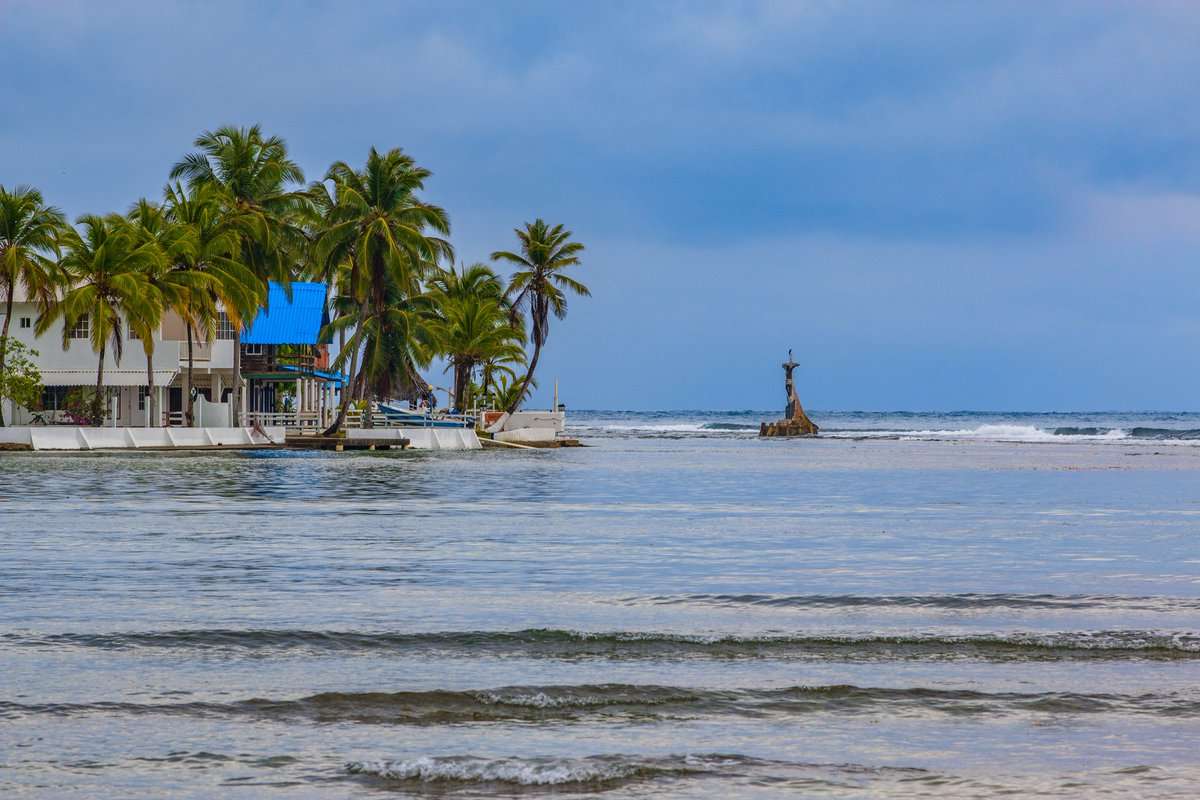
(287, 366)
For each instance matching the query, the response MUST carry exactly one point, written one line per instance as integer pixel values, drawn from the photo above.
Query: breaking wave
(744, 775)
(591, 702)
(949, 602)
(569, 644)
(898, 425)
(990, 432)
(590, 771)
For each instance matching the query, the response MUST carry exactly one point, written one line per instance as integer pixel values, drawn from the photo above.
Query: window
(225, 327)
(26, 323)
(253, 350)
(143, 392)
(81, 329)
(133, 334)
(54, 398)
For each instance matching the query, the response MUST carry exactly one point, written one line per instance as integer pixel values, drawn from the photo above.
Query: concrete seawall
(56, 437)
(423, 438)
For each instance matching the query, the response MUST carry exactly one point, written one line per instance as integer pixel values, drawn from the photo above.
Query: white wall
(79, 353)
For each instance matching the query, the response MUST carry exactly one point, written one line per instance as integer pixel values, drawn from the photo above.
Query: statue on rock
(795, 422)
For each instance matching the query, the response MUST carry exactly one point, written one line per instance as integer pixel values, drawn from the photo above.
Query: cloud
(953, 202)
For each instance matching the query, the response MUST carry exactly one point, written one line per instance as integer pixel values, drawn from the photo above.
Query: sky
(938, 205)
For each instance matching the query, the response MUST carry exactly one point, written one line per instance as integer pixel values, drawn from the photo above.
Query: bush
(20, 379)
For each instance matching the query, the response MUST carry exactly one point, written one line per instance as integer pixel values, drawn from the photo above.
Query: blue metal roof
(297, 320)
(337, 377)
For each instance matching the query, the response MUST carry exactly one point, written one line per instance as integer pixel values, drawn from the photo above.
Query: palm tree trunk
(150, 385)
(368, 419)
(462, 375)
(97, 402)
(8, 307)
(516, 401)
(237, 376)
(190, 402)
(486, 381)
(347, 391)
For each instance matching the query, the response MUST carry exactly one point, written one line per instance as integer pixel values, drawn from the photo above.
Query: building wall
(79, 354)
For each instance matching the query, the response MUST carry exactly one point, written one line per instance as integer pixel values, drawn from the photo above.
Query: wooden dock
(340, 443)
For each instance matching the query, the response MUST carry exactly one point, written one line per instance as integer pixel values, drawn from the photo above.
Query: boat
(423, 419)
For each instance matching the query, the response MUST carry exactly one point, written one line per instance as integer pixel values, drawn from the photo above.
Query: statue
(795, 422)
(793, 408)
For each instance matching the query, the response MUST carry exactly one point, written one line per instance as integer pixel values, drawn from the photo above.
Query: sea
(935, 605)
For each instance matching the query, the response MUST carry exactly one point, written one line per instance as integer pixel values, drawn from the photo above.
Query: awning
(289, 372)
(112, 377)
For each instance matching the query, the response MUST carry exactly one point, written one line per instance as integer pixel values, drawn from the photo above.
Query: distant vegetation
(237, 214)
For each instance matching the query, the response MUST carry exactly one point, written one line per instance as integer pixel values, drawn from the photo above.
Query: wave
(619, 645)
(989, 432)
(654, 426)
(633, 702)
(519, 775)
(1165, 433)
(651, 428)
(1021, 433)
(584, 772)
(951, 602)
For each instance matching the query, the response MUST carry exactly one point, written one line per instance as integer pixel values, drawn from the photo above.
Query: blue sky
(939, 205)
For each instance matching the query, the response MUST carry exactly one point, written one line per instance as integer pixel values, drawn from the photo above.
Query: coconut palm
(29, 232)
(509, 390)
(254, 173)
(105, 267)
(501, 367)
(212, 267)
(173, 240)
(474, 325)
(383, 238)
(477, 280)
(394, 339)
(537, 287)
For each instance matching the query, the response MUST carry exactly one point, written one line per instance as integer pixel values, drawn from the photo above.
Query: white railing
(354, 419)
(296, 420)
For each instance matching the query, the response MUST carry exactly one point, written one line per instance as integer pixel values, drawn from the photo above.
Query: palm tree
(474, 325)
(151, 225)
(254, 173)
(382, 237)
(502, 367)
(219, 282)
(536, 288)
(393, 338)
(106, 268)
(29, 232)
(507, 390)
(477, 280)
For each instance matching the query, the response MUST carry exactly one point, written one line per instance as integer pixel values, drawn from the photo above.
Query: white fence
(292, 420)
(354, 419)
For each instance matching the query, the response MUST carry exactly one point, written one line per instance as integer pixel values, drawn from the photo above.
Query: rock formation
(795, 422)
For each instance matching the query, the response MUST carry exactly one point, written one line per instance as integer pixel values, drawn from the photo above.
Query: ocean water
(912, 605)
